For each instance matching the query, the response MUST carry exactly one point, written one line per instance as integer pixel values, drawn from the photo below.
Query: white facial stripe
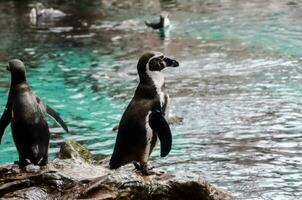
(156, 54)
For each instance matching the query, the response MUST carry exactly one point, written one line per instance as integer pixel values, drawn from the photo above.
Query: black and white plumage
(25, 112)
(144, 118)
(164, 22)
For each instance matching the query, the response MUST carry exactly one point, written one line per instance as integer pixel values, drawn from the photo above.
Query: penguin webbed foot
(146, 169)
(44, 161)
(25, 162)
(22, 162)
(138, 166)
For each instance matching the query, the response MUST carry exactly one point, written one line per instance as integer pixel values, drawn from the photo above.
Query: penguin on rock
(144, 119)
(25, 111)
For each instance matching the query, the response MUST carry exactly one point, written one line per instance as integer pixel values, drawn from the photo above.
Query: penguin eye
(161, 57)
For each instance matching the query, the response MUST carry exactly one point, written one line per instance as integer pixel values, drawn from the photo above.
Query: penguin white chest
(166, 22)
(158, 81)
(149, 135)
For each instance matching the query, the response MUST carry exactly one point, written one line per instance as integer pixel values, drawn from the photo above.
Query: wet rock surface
(75, 177)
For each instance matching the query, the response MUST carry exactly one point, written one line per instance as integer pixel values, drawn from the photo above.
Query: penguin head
(39, 8)
(155, 61)
(152, 62)
(164, 14)
(164, 20)
(17, 70)
(16, 66)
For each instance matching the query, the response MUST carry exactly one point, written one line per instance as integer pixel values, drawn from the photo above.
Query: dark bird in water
(144, 118)
(164, 22)
(25, 111)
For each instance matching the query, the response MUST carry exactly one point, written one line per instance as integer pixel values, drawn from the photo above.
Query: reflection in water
(238, 86)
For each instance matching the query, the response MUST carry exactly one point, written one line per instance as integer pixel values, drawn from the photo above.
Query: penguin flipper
(159, 125)
(57, 117)
(51, 112)
(147, 24)
(4, 121)
(152, 25)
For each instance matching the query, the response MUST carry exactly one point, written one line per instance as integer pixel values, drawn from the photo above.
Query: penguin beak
(170, 62)
(7, 68)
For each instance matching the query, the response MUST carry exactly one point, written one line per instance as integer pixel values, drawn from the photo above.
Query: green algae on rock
(73, 149)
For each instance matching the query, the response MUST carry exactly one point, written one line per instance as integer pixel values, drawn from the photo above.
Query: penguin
(25, 111)
(164, 22)
(39, 12)
(144, 118)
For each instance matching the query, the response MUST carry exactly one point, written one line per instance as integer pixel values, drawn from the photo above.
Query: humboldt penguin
(164, 22)
(144, 118)
(25, 111)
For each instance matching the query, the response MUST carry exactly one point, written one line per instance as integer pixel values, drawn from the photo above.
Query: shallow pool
(238, 87)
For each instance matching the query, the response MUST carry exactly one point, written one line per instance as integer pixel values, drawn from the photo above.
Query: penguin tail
(36, 157)
(35, 151)
(114, 162)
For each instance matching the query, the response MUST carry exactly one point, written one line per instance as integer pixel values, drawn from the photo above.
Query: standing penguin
(25, 111)
(144, 119)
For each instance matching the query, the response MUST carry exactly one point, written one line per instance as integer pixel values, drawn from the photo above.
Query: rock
(73, 149)
(32, 168)
(74, 176)
(33, 193)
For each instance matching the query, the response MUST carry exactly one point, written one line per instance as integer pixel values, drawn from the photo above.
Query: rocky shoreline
(74, 174)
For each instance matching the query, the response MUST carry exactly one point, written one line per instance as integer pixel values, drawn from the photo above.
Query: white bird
(39, 12)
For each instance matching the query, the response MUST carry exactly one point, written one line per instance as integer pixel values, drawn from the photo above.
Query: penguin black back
(25, 112)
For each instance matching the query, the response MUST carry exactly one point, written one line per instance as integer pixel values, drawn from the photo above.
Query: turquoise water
(238, 87)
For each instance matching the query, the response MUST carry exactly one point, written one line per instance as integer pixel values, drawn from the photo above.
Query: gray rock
(75, 177)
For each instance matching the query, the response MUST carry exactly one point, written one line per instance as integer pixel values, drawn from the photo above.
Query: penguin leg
(44, 161)
(22, 162)
(146, 170)
(138, 166)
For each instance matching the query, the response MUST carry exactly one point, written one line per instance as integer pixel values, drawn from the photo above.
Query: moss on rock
(73, 149)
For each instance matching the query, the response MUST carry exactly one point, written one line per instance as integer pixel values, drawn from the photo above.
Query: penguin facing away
(164, 22)
(144, 118)
(25, 112)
